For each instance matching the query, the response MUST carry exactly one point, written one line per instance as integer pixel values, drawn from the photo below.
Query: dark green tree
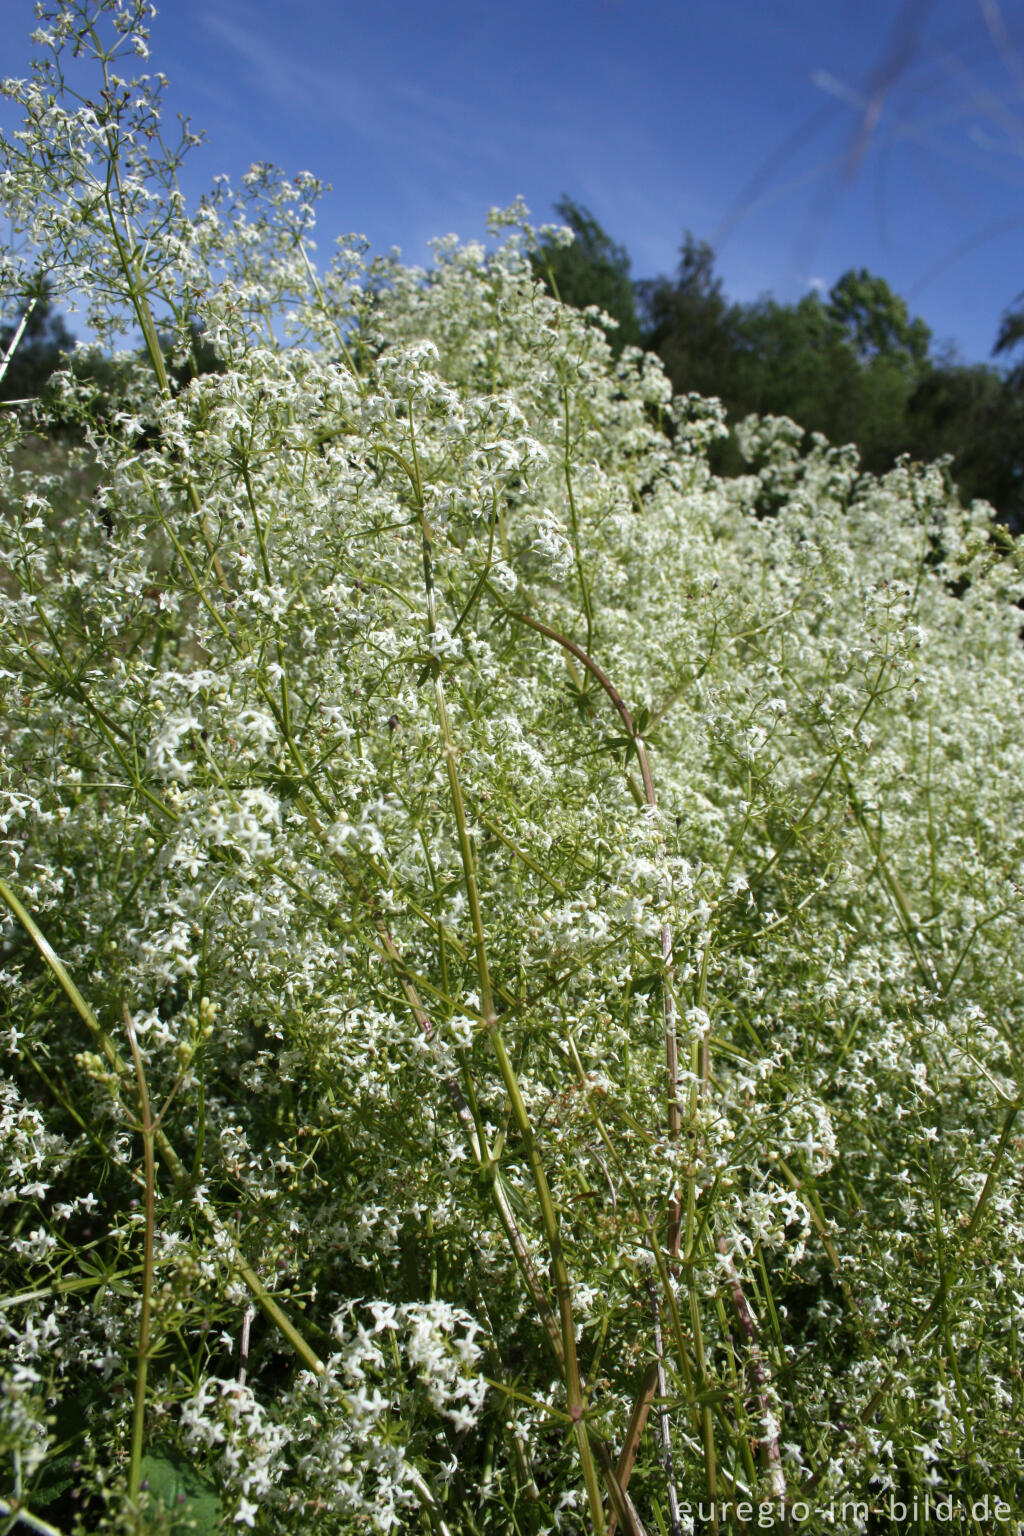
(845, 366)
(976, 414)
(690, 324)
(999, 443)
(854, 365)
(876, 321)
(42, 348)
(789, 360)
(593, 270)
(1011, 332)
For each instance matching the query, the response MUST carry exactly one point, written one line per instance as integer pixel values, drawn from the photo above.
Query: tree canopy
(592, 270)
(854, 365)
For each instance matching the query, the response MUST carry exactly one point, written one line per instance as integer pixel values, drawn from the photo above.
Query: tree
(1011, 335)
(876, 321)
(789, 361)
(847, 366)
(855, 366)
(592, 270)
(976, 414)
(41, 348)
(689, 323)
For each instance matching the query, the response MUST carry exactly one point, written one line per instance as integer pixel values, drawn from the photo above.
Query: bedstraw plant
(512, 962)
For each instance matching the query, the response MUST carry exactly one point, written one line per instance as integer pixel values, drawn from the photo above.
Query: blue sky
(799, 137)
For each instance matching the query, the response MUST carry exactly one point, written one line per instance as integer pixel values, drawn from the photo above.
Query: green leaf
(194, 1507)
(646, 986)
(56, 1476)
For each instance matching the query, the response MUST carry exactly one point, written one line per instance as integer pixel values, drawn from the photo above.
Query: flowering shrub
(512, 961)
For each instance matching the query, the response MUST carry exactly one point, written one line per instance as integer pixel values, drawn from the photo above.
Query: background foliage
(852, 364)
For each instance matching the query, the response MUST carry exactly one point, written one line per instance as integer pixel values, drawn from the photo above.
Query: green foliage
(976, 414)
(688, 322)
(854, 367)
(590, 270)
(42, 348)
(1011, 329)
(178, 1502)
(876, 321)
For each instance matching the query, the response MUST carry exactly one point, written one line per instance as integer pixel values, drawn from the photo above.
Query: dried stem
(664, 1426)
(631, 1444)
(768, 1444)
(147, 1129)
(243, 1344)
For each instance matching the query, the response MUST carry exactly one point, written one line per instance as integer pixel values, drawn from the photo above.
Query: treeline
(38, 343)
(852, 364)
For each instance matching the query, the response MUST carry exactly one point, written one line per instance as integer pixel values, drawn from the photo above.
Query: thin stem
(243, 1344)
(937, 1302)
(599, 677)
(664, 1429)
(768, 1444)
(573, 517)
(147, 1130)
(631, 1444)
(16, 338)
(463, 1109)
(14, 1513)
(173, 1162)
(699, 1417)
(651, 799)
(130, 261)
(552, 1233)
(671, 1059)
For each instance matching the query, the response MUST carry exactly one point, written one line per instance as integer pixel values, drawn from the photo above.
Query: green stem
(573, 517)
(937, 1302)
(14, 1512)
(552, 1233)
(173, 1162)
(16, 338)
(130, 261)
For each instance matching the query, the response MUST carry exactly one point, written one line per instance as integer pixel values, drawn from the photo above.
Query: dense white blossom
(415, 746)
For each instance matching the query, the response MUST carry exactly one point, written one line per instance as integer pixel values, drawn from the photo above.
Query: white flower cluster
(339, 1444)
